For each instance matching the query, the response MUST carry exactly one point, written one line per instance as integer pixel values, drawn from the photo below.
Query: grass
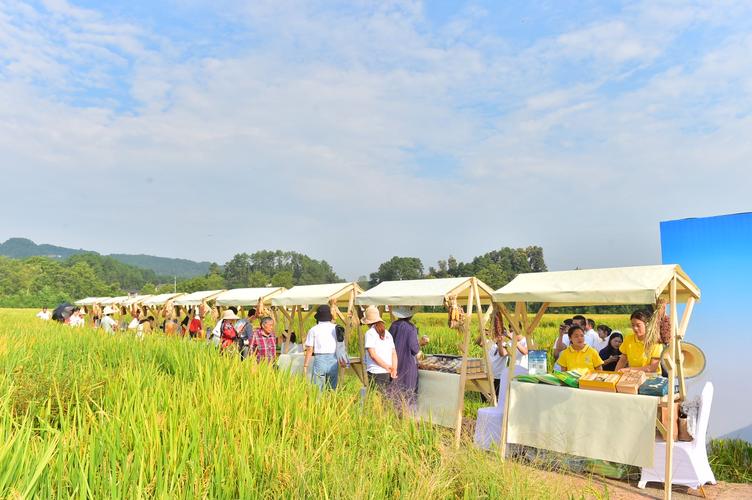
(87, 415)
(731, 460)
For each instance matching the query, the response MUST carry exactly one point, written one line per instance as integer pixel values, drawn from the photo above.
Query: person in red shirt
(195, 326)
(263, 341)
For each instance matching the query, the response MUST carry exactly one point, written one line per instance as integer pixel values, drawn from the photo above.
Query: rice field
(88, 415)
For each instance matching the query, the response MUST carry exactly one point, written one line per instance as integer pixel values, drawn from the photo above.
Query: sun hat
(108, 310)
(402, 312)
(228, 314)
(371, 316)
(323, 314)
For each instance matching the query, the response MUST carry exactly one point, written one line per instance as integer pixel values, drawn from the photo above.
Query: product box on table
(600, 381)
(657, 386)
(630, 381)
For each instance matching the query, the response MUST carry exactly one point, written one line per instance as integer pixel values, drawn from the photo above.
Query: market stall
(134, 303)
(258, 298)
(298, 303)
(562, 418)
(438, 373)
(92, 306)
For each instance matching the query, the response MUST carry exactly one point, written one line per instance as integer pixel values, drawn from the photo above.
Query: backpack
(195, 325)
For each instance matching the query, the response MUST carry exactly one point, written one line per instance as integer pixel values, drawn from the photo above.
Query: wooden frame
(293, 312)
(520, 324)
(467, 295)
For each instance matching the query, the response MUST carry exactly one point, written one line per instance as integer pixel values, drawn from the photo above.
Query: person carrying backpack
(228, 334)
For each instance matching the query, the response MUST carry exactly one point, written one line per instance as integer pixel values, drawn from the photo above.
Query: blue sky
(454, 127)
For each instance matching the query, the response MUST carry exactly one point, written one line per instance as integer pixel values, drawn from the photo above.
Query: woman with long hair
(637, 351)
(611, 354)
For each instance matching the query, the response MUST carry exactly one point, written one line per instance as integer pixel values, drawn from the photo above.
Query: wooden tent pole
(300, 319)
(463, 370)
(536, 320)
(670, 402)
(483, 339)
(510, 375)
(680, 336)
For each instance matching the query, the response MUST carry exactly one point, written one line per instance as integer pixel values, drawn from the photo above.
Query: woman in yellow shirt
(633, 348)
(578, 355)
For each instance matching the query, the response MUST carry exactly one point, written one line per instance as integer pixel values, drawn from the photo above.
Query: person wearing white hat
(107, 323)
(381, 355)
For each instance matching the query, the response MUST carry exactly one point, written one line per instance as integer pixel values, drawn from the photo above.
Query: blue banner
(716, 252)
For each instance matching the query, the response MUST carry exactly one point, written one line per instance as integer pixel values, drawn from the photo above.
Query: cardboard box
(600, 381)
(663, 407)
(630, 381)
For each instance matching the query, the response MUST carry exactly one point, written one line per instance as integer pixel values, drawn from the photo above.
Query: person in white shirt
(591, 336)
(133, 325)
(44, 314)
(321, 345)
(77, 318)
(604, 332)
(381, 355)
(107, 323)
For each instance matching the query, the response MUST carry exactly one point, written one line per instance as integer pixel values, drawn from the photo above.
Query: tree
(237, 271)
(397, 269)
(283, 279)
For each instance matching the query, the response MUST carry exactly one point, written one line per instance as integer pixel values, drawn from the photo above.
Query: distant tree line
(38, 281)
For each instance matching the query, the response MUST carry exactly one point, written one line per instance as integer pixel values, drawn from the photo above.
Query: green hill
(20, 248)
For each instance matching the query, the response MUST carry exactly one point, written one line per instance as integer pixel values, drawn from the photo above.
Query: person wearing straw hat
(321, 345)
(228, 334)
(108, 324)
(407, 345)
(381, 355)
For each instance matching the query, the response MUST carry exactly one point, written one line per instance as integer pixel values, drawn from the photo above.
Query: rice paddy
(88, 415)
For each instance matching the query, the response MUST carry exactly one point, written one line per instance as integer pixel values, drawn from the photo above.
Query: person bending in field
(321, 345)
(578, 355)
(635, 354)
(263, 343)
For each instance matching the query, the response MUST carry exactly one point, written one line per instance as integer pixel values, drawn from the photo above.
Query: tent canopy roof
(114, 301)
(621, 285)
(246, 296)
(195, 298)
(90, 301)
(160, 300)
(304, 295)
(136, 299)
(426, 292)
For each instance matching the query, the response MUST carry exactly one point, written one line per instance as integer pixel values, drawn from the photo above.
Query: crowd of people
(391, 354)
(582, 346)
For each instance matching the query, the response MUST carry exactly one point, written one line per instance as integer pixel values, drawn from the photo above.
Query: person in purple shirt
(405, 335)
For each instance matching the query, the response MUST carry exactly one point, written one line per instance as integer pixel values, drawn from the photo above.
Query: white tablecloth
(602, 425)
(438, 396)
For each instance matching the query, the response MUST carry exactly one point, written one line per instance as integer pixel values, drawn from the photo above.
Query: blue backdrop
(716, 252)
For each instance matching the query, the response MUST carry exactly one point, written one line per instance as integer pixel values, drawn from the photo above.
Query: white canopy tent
(247, 296)
(448, 292)
(623, 285)
(135, 300)
(160, 300)
(292, 302)
(196, 298)
(114, 301)
(90, 301)
(637, 285)
(307, 295)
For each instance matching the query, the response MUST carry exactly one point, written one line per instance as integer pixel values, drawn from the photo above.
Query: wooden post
(483, 339)
(463, 369)
(516, 329)
(671, 409)
(300, 318)
(679, 337)
(532, 326)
